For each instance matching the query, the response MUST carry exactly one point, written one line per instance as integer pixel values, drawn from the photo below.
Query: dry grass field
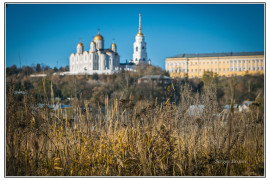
(133, 139)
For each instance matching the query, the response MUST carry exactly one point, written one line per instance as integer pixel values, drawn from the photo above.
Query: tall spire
(140, 23)
(140, 29)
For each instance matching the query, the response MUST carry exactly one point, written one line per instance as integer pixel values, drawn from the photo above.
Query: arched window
(143, 47)
(136, 48)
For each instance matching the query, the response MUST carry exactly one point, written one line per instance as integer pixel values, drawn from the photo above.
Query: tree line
(27, 70)
(94, 88)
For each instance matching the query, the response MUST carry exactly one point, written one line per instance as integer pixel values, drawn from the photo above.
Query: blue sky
(49, 33)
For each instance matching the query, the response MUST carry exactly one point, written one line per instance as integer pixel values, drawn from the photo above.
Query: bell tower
(139, 47)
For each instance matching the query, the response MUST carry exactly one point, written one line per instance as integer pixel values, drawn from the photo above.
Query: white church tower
(139, 49)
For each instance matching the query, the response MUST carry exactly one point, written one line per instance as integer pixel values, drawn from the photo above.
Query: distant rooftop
(127, 63)
(155, 77)
(218, 54)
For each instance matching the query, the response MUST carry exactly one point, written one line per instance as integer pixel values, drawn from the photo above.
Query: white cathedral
(96, 60)
(105, 61)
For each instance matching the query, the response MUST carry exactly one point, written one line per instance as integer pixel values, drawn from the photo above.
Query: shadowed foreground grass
(127, 139)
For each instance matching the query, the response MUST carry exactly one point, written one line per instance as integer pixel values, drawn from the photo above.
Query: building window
(136, 48)
(261, 68)
(143, 47)
(239, 69)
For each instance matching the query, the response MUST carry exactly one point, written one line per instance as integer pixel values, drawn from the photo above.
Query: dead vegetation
(133, 139)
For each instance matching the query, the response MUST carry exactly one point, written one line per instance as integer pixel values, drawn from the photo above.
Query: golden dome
(113, 44)
(80, 44)
(93, 42)
(139, 34)
(98, 37)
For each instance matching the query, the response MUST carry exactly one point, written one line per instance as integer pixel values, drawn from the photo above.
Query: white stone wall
(139, 50)
(79, 49)
(93, 47)
(99, 44)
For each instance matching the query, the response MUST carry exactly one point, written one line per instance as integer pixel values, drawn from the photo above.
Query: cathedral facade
(96, 60)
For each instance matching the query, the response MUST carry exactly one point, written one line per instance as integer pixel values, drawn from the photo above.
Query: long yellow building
(224, 64)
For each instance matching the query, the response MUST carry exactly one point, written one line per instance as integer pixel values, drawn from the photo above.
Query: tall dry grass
(127, 139)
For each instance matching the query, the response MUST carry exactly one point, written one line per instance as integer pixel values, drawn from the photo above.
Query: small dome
(113, 44)
(80, 44)
(98, 37)
(93, 42)
(139, 34)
